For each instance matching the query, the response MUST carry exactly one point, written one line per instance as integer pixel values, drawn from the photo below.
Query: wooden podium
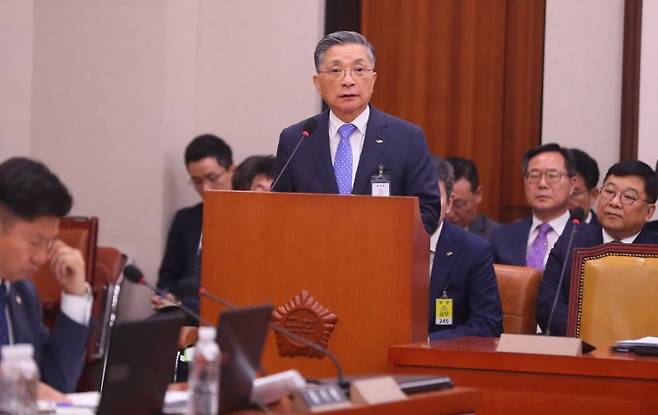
(364, 260)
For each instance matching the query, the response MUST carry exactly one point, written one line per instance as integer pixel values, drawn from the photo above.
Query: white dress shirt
(607, 238)
(356, 139)
(557, 227)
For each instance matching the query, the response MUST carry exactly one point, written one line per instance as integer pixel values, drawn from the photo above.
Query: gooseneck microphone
(577, 216)
(136, 276)
(309, 127)
(189, 287)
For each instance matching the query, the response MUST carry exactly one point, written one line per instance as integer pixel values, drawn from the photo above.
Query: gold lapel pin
(379, 141)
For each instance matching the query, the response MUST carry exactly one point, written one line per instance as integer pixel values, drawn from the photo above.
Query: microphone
(136, 276)
(309, 127)
(188, 287)
(577, 217)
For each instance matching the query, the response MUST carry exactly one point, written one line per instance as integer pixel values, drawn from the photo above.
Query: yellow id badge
(443, 311)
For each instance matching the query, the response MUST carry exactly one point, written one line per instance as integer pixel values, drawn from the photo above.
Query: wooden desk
(513, 383)
(458, 400)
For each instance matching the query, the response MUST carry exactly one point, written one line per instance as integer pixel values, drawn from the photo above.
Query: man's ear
(478, 194)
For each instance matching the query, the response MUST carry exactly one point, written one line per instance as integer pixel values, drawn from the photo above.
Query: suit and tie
(60, 354)
(463, 267)
(510, 241)
(586, 236)
(389, 141)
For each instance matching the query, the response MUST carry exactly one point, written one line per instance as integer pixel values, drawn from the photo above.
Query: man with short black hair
(586, 184)
(627, 200)
(467, 197)
(32, 201)
(353, 141)
(548, 175)
(209, 162)
(464, 299)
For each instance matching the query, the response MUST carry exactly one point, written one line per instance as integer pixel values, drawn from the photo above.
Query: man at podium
(353, 148)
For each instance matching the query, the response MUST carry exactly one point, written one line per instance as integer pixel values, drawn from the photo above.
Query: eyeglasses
(552, 176)
(627, 197)
(357, 73)
(211, 178)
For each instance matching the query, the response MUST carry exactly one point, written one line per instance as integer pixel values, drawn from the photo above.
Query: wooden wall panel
(445, 65)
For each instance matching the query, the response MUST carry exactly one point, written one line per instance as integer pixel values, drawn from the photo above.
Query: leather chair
(613, 293)
(78, 232)
(518, 287)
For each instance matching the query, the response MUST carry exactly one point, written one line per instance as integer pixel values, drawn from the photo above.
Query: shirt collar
(359, 122)
(557, 225)
(434, 238)
(607, 238)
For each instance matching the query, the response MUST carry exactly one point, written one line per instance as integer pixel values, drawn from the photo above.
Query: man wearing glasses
(548, 177)
(352, 140)
(209, 162)
(626, 202)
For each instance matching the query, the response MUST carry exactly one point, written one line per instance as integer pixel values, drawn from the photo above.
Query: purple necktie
(343, 161)
(539, 247)
(4, 327)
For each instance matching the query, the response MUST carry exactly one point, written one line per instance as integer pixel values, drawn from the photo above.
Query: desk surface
(601, 382)
(458, 400)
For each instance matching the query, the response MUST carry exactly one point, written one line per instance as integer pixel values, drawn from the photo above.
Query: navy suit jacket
(463, 265)
(397, 144)
(586, 235)
(510, 241)
(483, 226)
(60, 354)
(181, 254)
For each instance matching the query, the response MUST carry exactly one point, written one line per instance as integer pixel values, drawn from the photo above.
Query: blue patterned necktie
(4, 328)
(343, 161)
(539, 247)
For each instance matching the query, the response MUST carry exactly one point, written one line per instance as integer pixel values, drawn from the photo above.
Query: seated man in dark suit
(467, 197)
(32, 201)
(626, 202)
(463, 289)
(255, 173)
(585, 189)
(548, 174)
(353, 141)
(209, 162)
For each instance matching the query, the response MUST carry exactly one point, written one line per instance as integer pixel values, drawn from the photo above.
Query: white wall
(109, 93)
(582, 76)
(16, 33)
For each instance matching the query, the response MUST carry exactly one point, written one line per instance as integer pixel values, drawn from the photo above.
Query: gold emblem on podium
(304, 316)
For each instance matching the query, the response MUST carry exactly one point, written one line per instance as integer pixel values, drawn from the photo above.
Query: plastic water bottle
(203, 380)
(19, 376)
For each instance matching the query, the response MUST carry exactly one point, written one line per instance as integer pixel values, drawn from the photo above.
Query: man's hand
(48, 393)
(158, 302)
(68, 266)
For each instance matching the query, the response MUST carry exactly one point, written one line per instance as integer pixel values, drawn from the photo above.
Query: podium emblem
(304, 316)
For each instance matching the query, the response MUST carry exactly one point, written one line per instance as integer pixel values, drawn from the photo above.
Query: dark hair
(587, 167)
(445, 172)
(341, 38)
(569, 162)
(251, 167)
(208, 145)
(29, 190)
(465, 169)
(640, 169)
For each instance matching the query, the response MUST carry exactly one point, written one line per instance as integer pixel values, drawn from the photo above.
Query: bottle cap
(207, 333)
(18, 351)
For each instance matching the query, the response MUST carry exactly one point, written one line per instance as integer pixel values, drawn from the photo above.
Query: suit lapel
(371, 154)
(19, 325)
(318, 145)
(520, 242)
(645, 237)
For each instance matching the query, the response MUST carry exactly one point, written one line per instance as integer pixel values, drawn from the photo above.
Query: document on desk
(83, 403)
(645, 345)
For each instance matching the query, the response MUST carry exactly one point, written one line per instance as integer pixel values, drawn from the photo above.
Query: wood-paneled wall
(470, 73)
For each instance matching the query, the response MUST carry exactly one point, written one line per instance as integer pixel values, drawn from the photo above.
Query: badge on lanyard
(443, 312)
(380, 183)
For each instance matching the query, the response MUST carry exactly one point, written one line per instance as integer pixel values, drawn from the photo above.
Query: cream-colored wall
(16, 32)
(582, 76)
(109, 93)
(648, 123)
